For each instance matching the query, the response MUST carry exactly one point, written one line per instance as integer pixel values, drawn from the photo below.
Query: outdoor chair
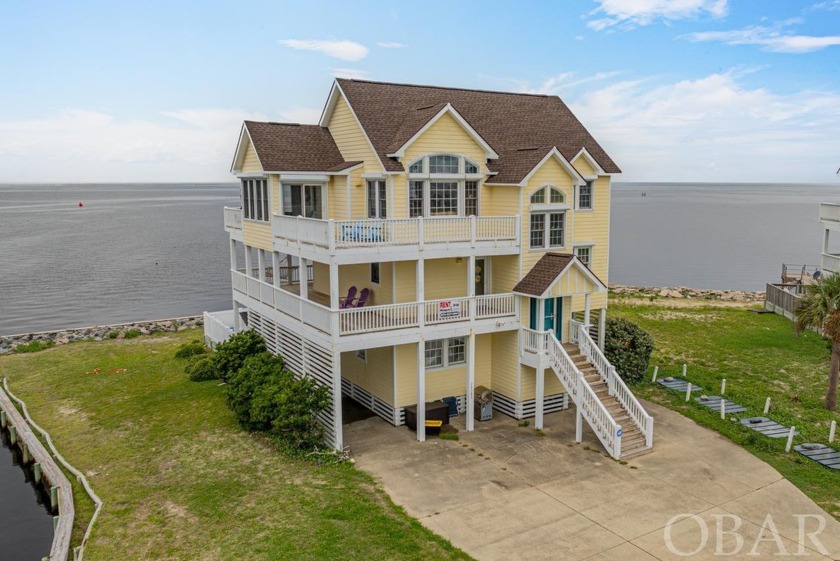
(363, 296)
(347, 302)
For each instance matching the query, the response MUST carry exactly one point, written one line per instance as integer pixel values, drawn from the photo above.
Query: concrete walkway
(504, 493)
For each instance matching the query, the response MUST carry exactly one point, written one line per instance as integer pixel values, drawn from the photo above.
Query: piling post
(789, 440)
(767, 406)
(655, 373)
(723, 386)
(55, 522)
(13, 434)
(53, 498)
(831, 431)
(685, 370)
(3, 420)
(26, 456)
(36, 469)
(688, 392)
(722, 408)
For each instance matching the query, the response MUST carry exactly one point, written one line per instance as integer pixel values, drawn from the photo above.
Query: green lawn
(180, 480)
(760, 356)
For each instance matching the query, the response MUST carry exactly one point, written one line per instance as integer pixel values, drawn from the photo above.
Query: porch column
(471, 286)
(333, 286)
(336, 396)
(421, 292)
(825, 240)
(540, 314)
(249, 269)
(421, 390)
(586, 299)
(578, 424)
(233, 255)
(470, 380)
(261, 264)
(540, 398)
(602, 327)
(237, 321)
(275, 267)
(303, 265)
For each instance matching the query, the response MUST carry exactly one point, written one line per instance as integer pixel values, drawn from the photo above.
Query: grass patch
(34, 347)
(760, 356)
(181, 480)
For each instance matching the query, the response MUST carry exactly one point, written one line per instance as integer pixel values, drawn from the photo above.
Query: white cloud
(82, 145)
(352, 73)
(714, 129)
(633, 13)
(303, 115)
(828, 5)
(771, 38)
(345, 50)
(391, 45)
(563, 82)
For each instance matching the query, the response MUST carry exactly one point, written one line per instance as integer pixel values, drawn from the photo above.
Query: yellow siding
(499, 200)
(251, 163)
(321, 278)
(400, 204)
(573, 282)
(405, 281)
(257, 234)
(376, 375)
(529, 383)
(359, 276)
(583, 167)
(337, 198)
(350, 138)
(505, 272)
(358, 195)
(445, 382)
(446, 136)
(445, 278)
(505, 358)
(592, 226)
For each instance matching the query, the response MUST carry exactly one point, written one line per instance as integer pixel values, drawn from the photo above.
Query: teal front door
(552, 316)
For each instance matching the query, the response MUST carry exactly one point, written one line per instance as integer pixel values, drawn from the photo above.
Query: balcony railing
(233, 218)
(830, 211)
(372, 319)
(335, 235)
(831, 262)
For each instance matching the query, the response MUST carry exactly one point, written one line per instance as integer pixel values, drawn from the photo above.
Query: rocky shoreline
(9, 343)
(685, 292)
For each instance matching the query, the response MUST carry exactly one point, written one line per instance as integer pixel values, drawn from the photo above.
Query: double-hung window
(377, 199)
(443, 353)
(255, 199)
(547, 218)
(443, 185)
(584, 254)
(584, 201)
(302, 200)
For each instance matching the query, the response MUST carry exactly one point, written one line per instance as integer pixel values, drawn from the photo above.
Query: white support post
(420, 281)
(688, 392)
(304, 286)
(471, 284)
(470, 380)
(249, 269)
(790, 439)
(233, 263)
(237, 321)
(334, 286)
(723, 386)
(261, 264)
(767, 406)
(685, 371)
(578, 421)
(336, 395)
(832, 431)
(825, 241)
(540, 399)
(275, 268)
(421, 390)
(722, 408)
(655, 373)
(586, 299)
(602, 328)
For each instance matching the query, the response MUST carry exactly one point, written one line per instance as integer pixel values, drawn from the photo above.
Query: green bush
(628, 347)
(231, 354)
(191, 349)
(34, 346)
(203, 367)
(265, 396)
(132, 333)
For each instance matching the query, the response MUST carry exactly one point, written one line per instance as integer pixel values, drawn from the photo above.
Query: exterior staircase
(633, 441)
(601, 397)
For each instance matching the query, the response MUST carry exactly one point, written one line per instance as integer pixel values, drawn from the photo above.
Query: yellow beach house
(421, 242)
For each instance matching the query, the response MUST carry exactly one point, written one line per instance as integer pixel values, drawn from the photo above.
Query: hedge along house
(421, 241)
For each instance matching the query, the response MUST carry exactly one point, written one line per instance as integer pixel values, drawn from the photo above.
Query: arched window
(443, 185)
(547, 218)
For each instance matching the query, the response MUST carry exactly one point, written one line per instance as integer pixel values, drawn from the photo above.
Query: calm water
(732, 236)
(26, 530)
(132, 252)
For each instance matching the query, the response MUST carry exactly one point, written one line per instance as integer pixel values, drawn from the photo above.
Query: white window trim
(377, 199)
(245, 211)
(547, 230)
(591, 182)
(445, 354)
(303, 185)
(590, 245)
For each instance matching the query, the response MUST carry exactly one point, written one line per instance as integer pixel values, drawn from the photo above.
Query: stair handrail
(616, 386)
(602, 423)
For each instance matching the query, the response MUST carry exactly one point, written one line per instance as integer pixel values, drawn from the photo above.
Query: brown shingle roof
(540, 277)
(509, 122)
(291, 147)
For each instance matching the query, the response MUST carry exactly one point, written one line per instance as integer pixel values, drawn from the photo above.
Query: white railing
(233, 218)
(615, 384)
(830, 211)
(371, 319)
(831, 262)
(335, 235)
(584, 397)
(215, 330)
(533, 341)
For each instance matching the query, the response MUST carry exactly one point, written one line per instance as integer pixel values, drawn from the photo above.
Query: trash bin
(483, 403)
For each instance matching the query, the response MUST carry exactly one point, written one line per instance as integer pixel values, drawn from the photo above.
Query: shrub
(203, 367)
(191, 349)
(245, 383)
(132, 333)
(628, 347)
(112, 334)
(231, 354)
(34, 346)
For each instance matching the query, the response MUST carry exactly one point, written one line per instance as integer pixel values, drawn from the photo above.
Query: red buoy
(81, 205)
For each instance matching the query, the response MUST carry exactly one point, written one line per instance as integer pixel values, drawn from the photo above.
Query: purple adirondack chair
(348, 301)
(363, 296)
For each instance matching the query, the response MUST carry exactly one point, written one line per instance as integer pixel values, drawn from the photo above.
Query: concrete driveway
(504, 492)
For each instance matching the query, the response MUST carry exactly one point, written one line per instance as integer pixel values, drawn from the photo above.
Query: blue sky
(675, 90)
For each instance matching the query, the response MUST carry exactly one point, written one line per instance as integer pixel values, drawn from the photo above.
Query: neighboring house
(471, 230)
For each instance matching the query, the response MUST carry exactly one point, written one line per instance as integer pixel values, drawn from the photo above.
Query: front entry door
(553, 316)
